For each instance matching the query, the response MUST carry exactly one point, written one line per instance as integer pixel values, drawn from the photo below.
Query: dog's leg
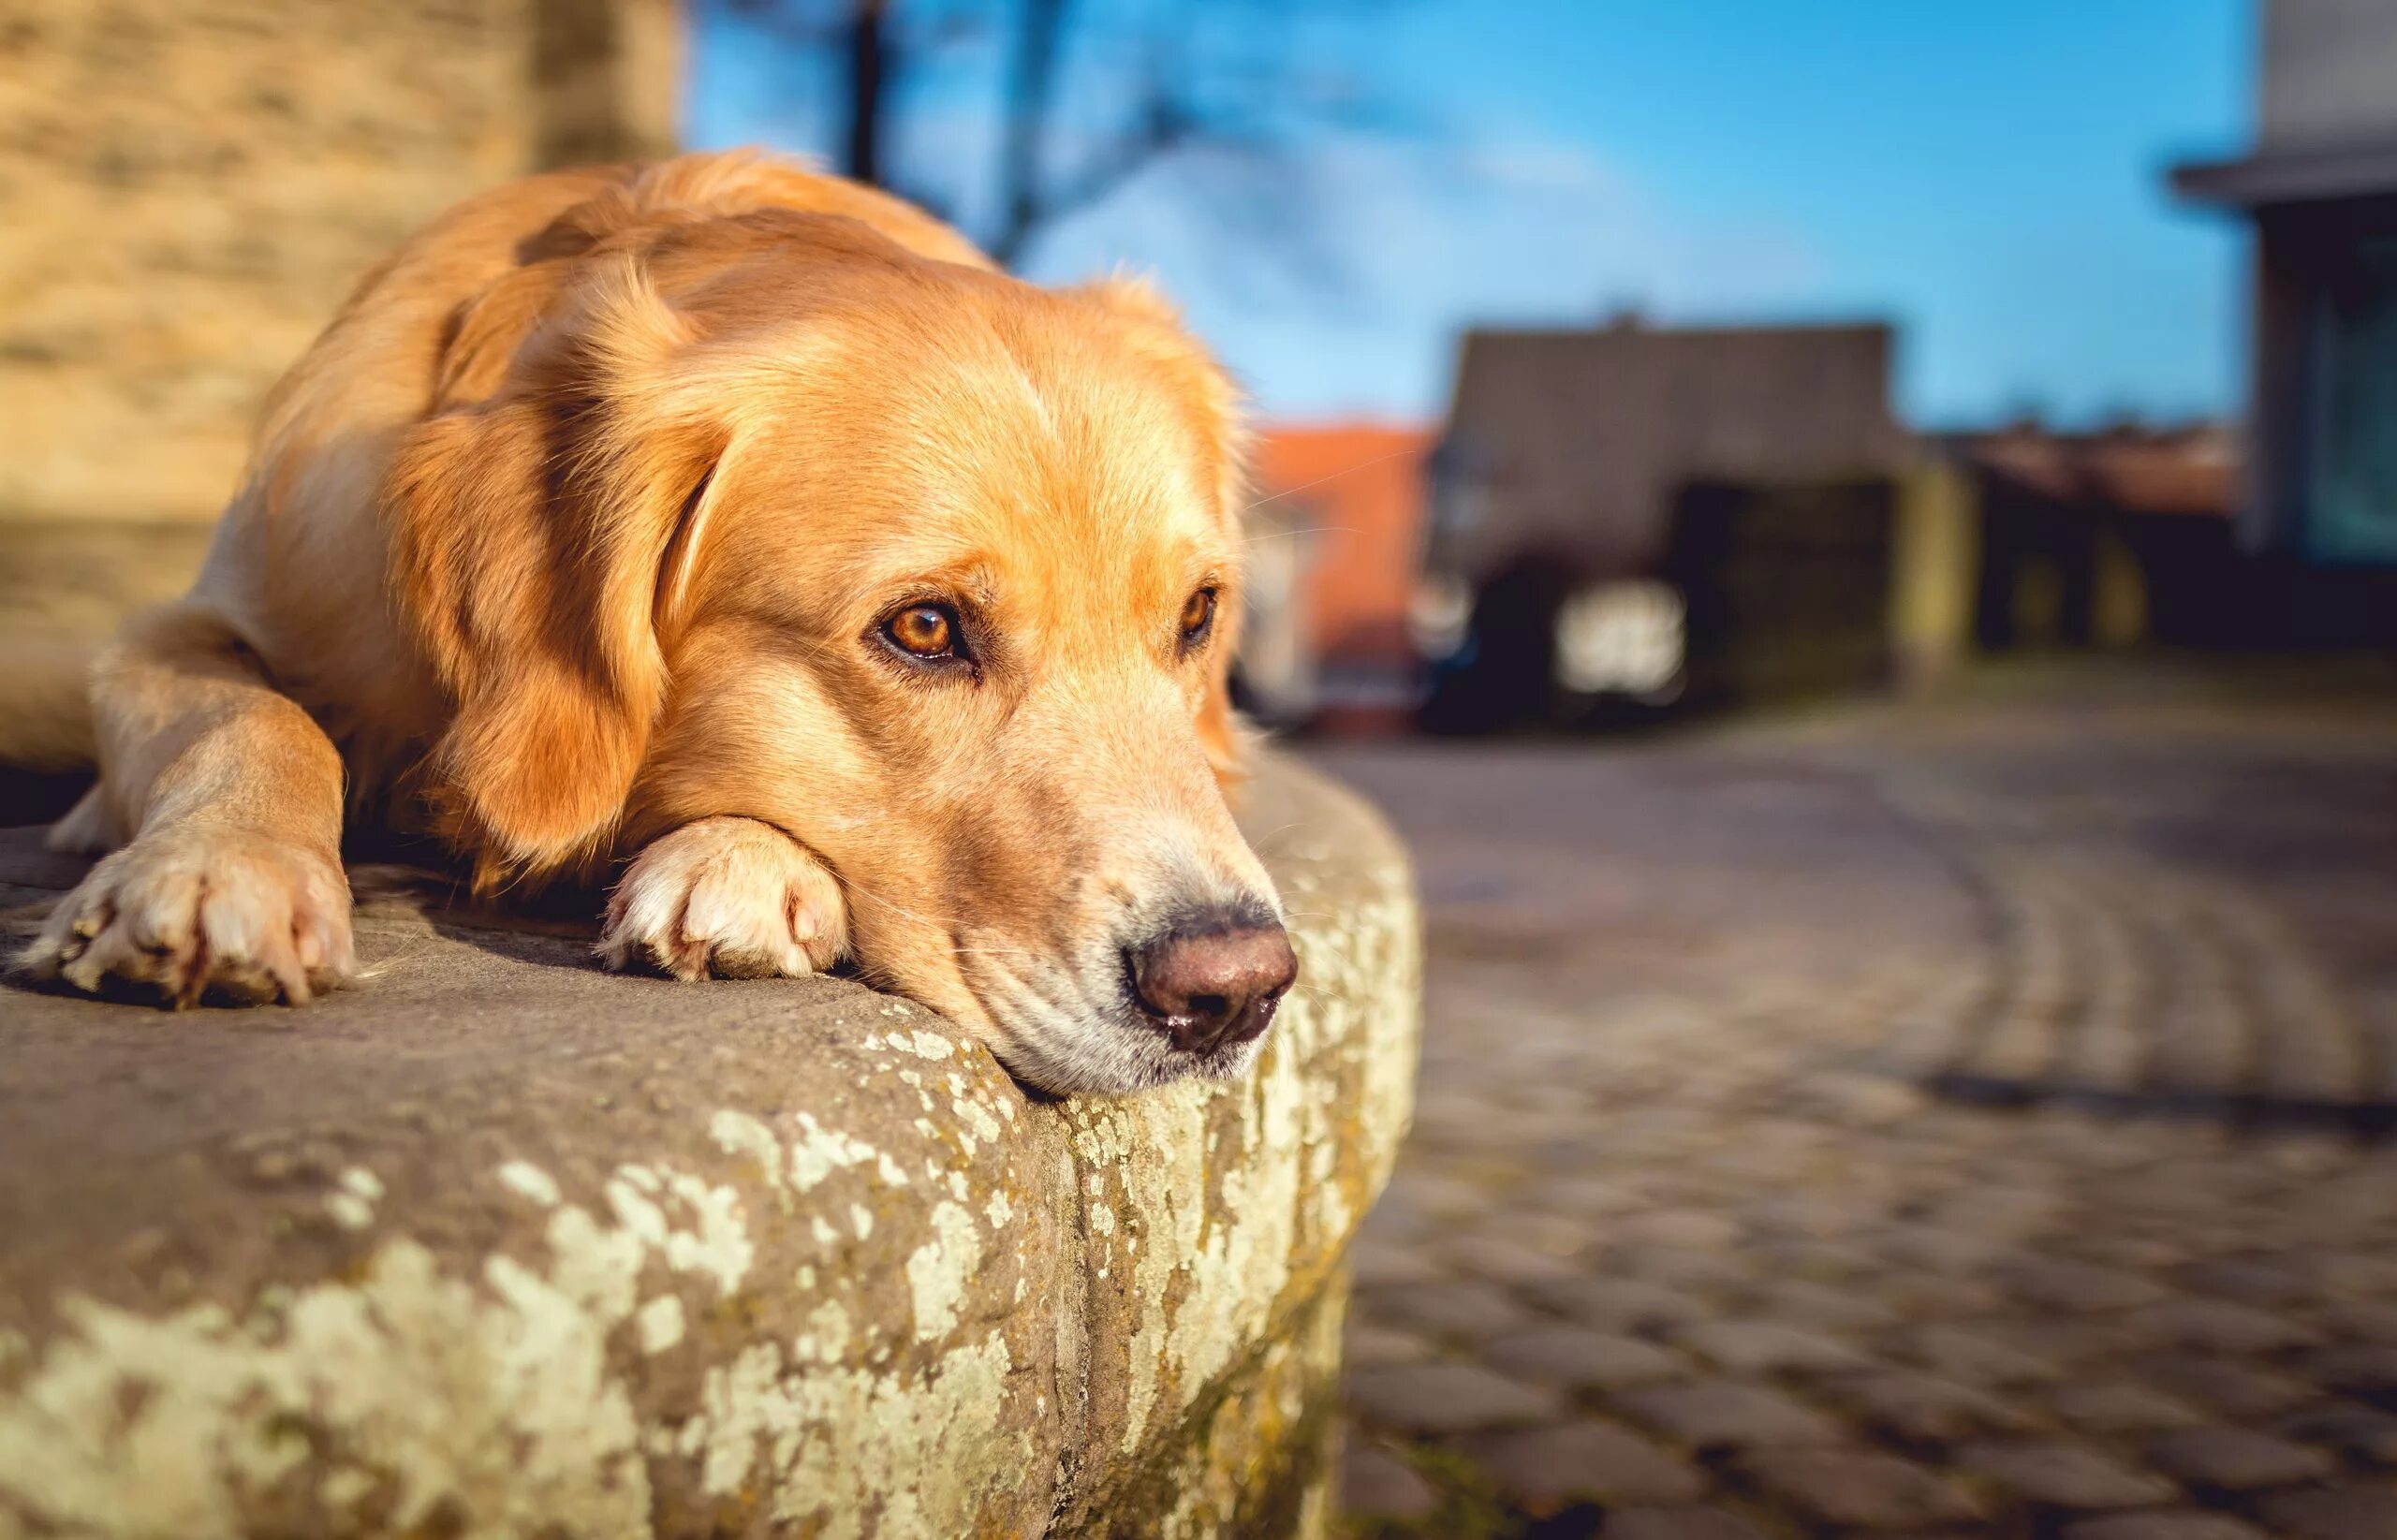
(728, 896)
(231, 880)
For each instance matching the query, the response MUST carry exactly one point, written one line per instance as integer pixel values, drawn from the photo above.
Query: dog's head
(935, 571)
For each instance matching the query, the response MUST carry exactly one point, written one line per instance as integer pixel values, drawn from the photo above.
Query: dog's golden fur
(569, 541)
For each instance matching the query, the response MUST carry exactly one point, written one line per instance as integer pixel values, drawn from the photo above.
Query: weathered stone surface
(1677, 1524)
(1444, 1397)
(1376, 1263)
(1372, 1345)
(2233, 1388)
(1376, 1484)
(497, 1244)
(1724, 1413)
(2237, 1278)
(1960, 1353)
(2221, 1326)
(1858, 1488)
(2234, 1459)
(2118, 1407)
(2058, 1284)
(2174, 1524)
(1616, 1304)
(1766, 1347)
(1543, 1468)
(1919, 1408)
(2367, 1369)
(2061, 1475)
(2333, 1513)
(1464, 1307)
(1505, 1261)
(1821, 1306)
(2365, 1432)
(1570, 1355)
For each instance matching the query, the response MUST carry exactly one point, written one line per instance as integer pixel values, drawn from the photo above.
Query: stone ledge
(499, 1245)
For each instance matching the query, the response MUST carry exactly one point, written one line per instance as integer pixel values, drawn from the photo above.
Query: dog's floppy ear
(532, 536)
(1211, 405)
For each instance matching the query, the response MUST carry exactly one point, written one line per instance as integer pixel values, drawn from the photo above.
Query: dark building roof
(1574, 444)
(2191, 471)
(2296, 176)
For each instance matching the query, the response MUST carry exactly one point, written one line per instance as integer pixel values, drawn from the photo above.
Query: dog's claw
(185, 912)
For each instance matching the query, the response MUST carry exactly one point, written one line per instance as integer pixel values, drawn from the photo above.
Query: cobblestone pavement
(1956, 1121)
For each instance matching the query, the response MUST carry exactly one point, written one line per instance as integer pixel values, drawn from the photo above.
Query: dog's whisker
(1304, 485)
(938, 921)
(1263, 535)
(941, 921)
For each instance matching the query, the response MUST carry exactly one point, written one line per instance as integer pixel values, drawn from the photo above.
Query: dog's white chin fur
(1117, 1058)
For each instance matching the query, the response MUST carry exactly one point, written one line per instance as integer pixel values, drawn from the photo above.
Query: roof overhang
(2288, 176)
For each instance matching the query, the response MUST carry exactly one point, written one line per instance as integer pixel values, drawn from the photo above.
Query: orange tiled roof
(1358, 488)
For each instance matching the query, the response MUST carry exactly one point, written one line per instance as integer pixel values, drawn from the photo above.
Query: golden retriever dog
(742, 534)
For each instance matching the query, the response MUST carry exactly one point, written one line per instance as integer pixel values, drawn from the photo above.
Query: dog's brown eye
(926, 630)
(1196, 616)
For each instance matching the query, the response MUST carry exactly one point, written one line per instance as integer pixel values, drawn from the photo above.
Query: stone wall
(497, 1246)
(189, 187)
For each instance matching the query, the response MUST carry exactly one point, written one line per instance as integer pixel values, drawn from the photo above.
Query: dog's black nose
(1214, 978)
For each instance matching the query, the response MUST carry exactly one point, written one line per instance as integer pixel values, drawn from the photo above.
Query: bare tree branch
(871, 63)
(1039, 36)
(1095, 92)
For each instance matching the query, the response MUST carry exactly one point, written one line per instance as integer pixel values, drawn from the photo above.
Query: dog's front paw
(192, 912)
(731, 897)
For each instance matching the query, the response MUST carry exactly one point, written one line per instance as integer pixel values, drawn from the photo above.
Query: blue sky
(1987, 175)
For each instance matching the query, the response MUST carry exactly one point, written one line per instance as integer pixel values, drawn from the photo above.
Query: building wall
(1572, 445)
(1934, 564)
(1789, 588)
(1362, 488)
(2327, 65)
(189, 187)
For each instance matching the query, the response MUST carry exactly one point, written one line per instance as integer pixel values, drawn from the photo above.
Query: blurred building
(2106, 539)
(1334, 546)
(189, 187)
(2320, 187)
(1643, 515)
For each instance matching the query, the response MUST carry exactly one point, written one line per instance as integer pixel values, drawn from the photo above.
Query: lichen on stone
(876, 1292)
